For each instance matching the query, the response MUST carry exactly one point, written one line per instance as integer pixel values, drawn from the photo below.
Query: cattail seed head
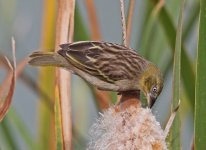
(127, 128)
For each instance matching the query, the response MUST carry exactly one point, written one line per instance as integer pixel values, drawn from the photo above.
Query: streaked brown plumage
(108, 66)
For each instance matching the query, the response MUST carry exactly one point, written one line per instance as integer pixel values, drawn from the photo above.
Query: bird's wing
(106, 61)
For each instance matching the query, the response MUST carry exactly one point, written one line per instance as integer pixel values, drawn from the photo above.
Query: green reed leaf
(200, 85)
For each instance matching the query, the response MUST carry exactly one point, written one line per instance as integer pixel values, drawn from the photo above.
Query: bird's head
(151, 83)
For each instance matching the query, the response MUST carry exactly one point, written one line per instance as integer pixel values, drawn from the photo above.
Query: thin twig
(170, 121)
(13, 45)
(124, 34)
(19, 70)
(4, 106)
(129, 19)
(6, 81)
(26, 79)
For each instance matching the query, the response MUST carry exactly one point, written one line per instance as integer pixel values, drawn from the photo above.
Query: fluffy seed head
(128, 129)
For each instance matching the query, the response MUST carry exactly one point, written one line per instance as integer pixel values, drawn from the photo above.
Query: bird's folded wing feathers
(103, 60)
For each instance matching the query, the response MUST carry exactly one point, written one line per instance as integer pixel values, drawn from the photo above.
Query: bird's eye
(154, 89)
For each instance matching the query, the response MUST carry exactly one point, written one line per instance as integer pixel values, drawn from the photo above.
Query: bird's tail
(46, 59)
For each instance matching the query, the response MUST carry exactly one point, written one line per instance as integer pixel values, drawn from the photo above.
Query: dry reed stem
(124, 34)
(126, 40)
(124, 31)
(102, 97)
(25, 78)
(94, 25)
(129, 19)
(7, 80)
(64, 32)
(4, 105)
(19, 70)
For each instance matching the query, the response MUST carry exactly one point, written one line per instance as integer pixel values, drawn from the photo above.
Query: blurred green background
(153, 36)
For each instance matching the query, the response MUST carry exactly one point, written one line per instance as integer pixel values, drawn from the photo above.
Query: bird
(107, 66)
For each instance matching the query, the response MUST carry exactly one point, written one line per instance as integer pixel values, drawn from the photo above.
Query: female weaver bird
(107, 66)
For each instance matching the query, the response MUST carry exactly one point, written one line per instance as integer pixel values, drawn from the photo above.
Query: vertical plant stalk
(200, 85)
(124, 34)
(64, 33)
(46, 83)
(129, 19)
(175, 131)
(102, 97)
(126, 95)
(94, 25)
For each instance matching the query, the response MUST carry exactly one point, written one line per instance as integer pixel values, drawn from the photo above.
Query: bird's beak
(150, 100)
